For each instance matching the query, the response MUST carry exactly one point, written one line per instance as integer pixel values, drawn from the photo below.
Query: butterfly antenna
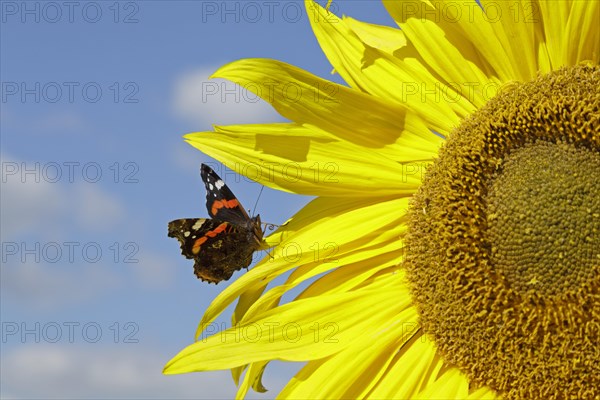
(269, 254)
(265, 224)
(258, 198)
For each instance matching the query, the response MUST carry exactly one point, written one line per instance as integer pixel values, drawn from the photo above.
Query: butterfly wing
(217, 247)
(221, 203)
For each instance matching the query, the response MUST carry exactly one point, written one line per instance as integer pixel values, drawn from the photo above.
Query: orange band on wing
(213, 233)
(224, 204)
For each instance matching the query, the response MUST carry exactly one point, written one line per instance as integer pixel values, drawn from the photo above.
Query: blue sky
(96, 95)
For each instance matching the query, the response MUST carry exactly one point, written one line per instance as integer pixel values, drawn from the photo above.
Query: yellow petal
(307, 99)
(452, 385)
(252, 379)
(347, 277)
(571, 32)
(463, 22)
(453, 66)
(384, 38)
(291, 158)
(415, 366)
(303, 330)
(484, 393)
(383, 75)
(353, 221)
(581, 40)
(353, 372)
(555, 16)
(511, 20)
(372, 273)
(351, 275)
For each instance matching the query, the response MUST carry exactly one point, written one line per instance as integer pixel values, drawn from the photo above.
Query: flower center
(503, 247)
(543, 214)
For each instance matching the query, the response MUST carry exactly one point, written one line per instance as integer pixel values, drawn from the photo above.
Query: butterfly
(223, 243)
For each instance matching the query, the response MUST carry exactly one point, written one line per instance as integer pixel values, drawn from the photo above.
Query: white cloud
(97, 210)
(34, 204)
(43, 286)
(96, 371)
(56, 122)
(153, 271)
(28, 206)
(45, 265)
(7, 116)
(63, 121)
(206, 101)
(48, 287)
(186, 157)
(40, 220)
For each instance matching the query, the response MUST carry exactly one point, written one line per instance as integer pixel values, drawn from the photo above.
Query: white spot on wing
(210, 186)
(197, 225)
(186, 234)
(219, 184)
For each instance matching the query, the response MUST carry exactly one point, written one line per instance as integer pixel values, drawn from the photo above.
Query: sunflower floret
(511, 293)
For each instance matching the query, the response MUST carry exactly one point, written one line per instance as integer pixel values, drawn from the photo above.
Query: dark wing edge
(179, 227)
(216, 192)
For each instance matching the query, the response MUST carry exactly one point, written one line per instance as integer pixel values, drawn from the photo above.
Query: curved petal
(484, 393)
(303, 330)
(571, 31)
(383, 38)
(464, 22)
(306, 99)
(352, 372)
(252, 379)
(584, 25)
(353, 221)
(292, 158)
(371, 263)
(355, 262)
(371, 272)
(452, 385)
(554, 15)
(390, 77)
(414, 367)
(453, 64)
(515, 19)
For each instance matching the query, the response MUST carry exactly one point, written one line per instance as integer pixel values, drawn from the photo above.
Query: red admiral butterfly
(221, 245)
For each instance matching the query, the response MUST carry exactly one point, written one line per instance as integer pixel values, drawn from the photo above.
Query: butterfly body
(224, 243)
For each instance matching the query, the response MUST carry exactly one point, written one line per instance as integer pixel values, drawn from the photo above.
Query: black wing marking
(221, 203)
(216, 257)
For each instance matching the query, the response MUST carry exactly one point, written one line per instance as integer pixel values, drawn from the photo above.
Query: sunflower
(453, 247)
